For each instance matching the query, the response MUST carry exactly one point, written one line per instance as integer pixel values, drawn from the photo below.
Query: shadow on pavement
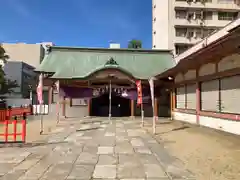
(90, 122)
(88, 129)
(24, 145)
(175, 129)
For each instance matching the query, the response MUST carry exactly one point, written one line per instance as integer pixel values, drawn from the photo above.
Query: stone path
(93, 149)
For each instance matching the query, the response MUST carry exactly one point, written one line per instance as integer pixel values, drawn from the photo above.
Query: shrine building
(200, 86)
(85, 76)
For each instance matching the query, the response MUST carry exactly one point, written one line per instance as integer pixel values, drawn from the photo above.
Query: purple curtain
(86, 93)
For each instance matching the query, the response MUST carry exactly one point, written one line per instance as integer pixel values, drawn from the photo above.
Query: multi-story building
(24, 76)
(31, 54)
(179, 24)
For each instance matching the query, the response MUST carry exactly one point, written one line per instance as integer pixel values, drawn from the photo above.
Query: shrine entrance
(120, 107)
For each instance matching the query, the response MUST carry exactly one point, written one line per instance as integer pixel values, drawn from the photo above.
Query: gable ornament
(111, 62)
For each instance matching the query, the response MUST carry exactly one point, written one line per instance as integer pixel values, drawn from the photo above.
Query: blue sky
(88, 23)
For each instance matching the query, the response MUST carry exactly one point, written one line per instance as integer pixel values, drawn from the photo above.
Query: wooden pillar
(50, 94)
(64, 107)
(89, 107)
(198, 102)
(155, 107)
(132, 108)
(70, 102)
(173, 102)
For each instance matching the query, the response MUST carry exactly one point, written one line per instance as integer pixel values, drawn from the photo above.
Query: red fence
(14, 133)
(8, 113)
(6, 117)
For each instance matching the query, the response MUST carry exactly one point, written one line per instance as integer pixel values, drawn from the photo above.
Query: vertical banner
(40, 89)
(139, 99)
(40, 99)
(151, 83)
(139, 91)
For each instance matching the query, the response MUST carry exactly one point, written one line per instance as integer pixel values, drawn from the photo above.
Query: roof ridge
(109, 49)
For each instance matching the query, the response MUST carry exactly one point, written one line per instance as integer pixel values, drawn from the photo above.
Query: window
(154, 32)
(180, 14)
(210, 95)
(230, 94)
(191, 96)
(207, 15)
(181, 32)
(180, 97)
(180, 48)
(199, 33)
(226, 1)
(227, 16)
(190, 33)
(207, 32)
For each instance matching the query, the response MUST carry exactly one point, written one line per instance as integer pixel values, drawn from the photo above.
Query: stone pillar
(132, 108)
(64, 107)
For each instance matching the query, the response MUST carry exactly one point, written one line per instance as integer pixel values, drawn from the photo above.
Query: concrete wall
(31, 54)
(211, 122)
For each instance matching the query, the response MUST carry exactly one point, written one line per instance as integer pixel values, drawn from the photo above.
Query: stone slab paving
(93, 149)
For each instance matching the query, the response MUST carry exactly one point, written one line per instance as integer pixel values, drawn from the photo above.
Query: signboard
(139, 91)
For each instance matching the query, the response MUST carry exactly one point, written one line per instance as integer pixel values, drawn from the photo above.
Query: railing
(13, 132)
(8, 113)
(10, 121)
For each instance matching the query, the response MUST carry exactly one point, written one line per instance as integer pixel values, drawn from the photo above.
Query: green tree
(135, 44)
(6, 85)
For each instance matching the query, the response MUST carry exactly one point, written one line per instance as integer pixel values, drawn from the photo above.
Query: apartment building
(24, 75)
(179, 24)
(31, 54)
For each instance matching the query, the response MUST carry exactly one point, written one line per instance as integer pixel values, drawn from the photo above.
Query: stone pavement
(92, 149)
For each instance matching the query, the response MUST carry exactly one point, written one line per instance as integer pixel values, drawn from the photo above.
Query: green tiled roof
(69, 62)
